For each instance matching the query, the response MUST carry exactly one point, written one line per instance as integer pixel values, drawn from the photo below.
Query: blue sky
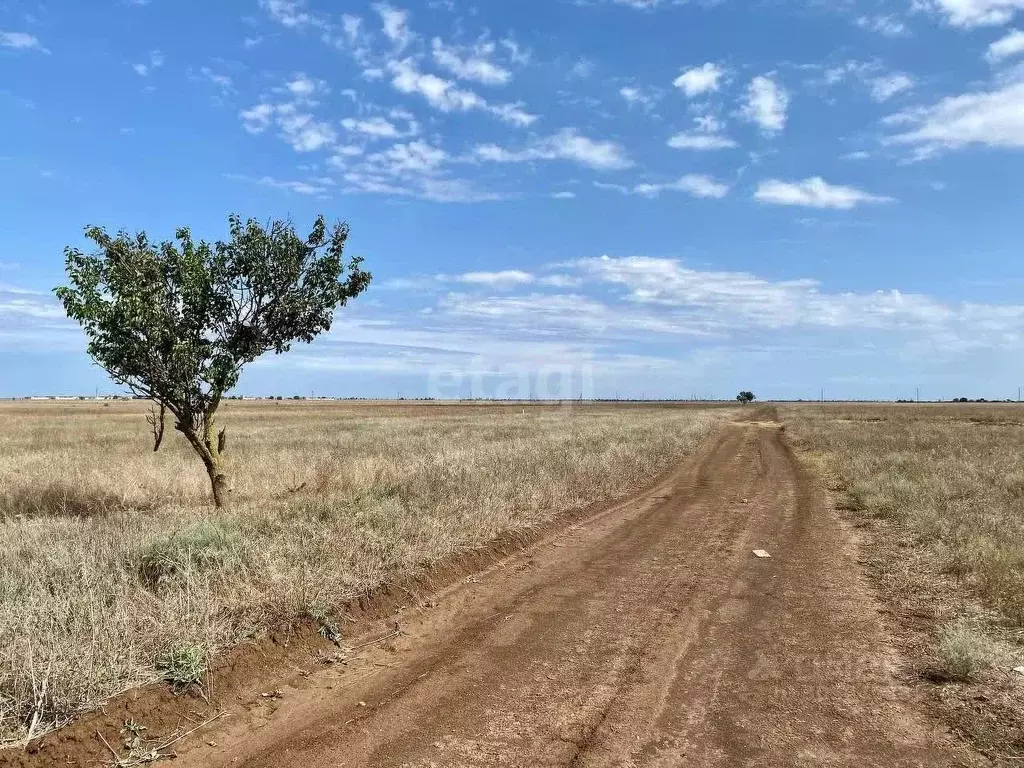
(627, 197)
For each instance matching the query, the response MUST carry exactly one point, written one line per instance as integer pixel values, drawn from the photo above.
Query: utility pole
(918, 396)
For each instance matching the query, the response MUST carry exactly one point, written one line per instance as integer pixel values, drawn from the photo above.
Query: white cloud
(707, 137)
(698, 80)
(766, 104)
(20, 41)
(513, 114)
(257, 119)
(378, 127)
(694, 184)
(700, 142)
(974, 13)
(503, 279)
(886, 25)
(288, 13)
(476, 66)
(413, 157)
(156, 60)
(988, 118)
(299, 129)
(413, 169)
(565, 195)
(725, 301)
(885, 87)
(815, 193)
(582, 69)
(1012, 44)
(318, 187)
(445, 96)
(565, 145)
(221, 81)
(637, 97)
(350, 26)
(303, 87)
(302, 130)
(396, 26)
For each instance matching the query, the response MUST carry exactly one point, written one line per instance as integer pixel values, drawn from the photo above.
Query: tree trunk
(220, 485)
(216, 444)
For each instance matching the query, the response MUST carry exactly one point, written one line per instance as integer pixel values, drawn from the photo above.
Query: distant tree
(177, 321)
(746, 397)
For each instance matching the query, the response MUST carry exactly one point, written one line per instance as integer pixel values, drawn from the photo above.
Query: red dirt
(645, 635)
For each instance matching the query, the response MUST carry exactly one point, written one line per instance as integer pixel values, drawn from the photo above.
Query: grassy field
(114, 565)
(937, 494)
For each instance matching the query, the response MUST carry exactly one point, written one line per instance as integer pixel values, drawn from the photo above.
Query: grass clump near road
(964, 651)
(182, 666)
(937, 493)
(330, 500)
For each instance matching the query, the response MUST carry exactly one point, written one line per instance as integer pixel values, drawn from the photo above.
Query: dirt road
(649, 635)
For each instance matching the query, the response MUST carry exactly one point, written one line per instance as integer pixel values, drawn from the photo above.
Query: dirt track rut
(648, 635)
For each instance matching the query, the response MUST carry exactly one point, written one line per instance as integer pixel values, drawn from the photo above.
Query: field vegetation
(937, 494)
(115, 570)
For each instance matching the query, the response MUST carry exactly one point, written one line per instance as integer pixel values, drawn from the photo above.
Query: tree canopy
(176, 321)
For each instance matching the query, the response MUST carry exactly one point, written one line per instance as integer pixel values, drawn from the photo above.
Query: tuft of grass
(326, 625)
(964, 651)
(182, 666)
(178, 556)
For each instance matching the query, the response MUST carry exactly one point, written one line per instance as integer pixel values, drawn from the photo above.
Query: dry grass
(938, 493)
(112, 560)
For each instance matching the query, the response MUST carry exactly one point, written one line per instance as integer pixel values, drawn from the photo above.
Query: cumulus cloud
(885, 87)
(815, 193)
(766, 104)
(378, 127)
(297, 127)
(886, 25)
(974, 13)
(474, 65)
(156, 60)
(396, 24)
(708, 136)
(1012, 44)
(446, 96)
(566, 145)
(638, 97)
(20, 41)
(993, 118)
(697, 80)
